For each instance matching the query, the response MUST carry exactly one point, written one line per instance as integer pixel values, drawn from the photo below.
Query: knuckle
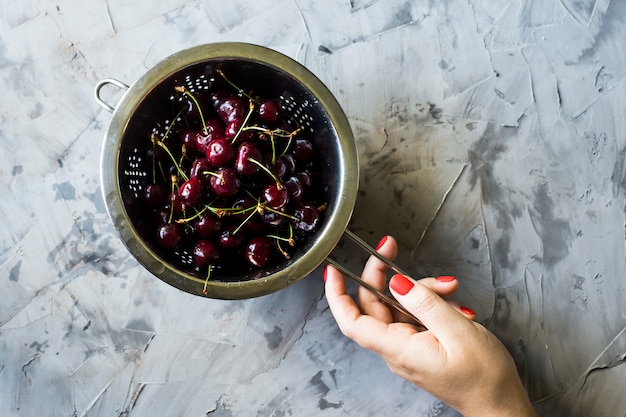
(424, 305)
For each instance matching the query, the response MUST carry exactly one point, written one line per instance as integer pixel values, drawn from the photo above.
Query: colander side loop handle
(96, 92)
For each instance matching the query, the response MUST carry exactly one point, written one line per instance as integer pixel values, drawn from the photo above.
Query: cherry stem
(235, 86)
(183, 90)
(244, 222)
(206, 281)
(264, 168)
(250, 110)
(162, 145)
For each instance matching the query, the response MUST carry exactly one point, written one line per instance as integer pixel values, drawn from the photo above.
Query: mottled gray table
(493, 132)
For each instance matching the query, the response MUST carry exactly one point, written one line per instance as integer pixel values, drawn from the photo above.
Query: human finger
(442, 319)
(375, 274)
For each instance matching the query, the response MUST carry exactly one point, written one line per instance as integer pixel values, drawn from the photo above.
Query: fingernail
(400, 284)
(325, 272)
(445, 278)
(382, 242)
(467, 311)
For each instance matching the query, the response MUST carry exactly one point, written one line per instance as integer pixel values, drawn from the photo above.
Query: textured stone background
(492, 144)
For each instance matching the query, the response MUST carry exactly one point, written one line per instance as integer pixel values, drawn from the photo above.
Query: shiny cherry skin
(169, 235)
(191, 192)
(259, 251)
(204, 253)
(276, 195)
(220, 152)
(225, 182)
(243, 165)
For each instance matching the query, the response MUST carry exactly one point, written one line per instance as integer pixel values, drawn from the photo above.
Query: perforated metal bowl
(124, 172)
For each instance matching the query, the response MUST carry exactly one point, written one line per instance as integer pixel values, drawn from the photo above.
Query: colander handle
(391, 302)
(96, 92)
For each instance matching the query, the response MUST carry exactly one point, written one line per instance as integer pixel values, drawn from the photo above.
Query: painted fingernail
(467, 311)
(325, 272)
(382, 242)
(400, 284)
(445, 278)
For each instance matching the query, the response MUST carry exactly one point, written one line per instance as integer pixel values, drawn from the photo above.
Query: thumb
(443, 321)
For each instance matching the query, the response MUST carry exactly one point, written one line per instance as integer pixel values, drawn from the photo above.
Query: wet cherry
(204, 253)
(308, 217)
(276, 195)
(259, 251)
(191, 192)
(169, 235)
(220, 152)
(269, 111)
(225, 182)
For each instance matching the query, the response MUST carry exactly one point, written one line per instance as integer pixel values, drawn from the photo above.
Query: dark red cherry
(245, 152)
(191, 192)
(272, 218)
(176, 203)
(190, 109)
(155, 195)
(290, 163)
(169, 235)
(303, 150)
(231, 241)
(207, 225)
(231, 108)
(225, 182)
(276, 195)
(220, 152)
(200, 169)
(259, 251)
(279, 169)
(308, 217)
(232, 128)
(294, 186)
(214, 129)
(205, 252)
(269, 111)
(305, 178)
(188, 139)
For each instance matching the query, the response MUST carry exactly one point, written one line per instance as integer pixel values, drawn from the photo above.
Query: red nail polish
(325, 272)
(400, 284)
(445, 278)
(382, 242)
(467, 311)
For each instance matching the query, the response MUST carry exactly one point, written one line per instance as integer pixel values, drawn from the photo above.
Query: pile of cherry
(235, 184)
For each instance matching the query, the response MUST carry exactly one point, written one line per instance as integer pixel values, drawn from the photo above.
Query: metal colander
(309, 104)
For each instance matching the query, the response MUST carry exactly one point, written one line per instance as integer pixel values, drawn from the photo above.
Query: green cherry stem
(166, 149)
(183, 90)
(241, 128)
(206, 281)
(270, 173)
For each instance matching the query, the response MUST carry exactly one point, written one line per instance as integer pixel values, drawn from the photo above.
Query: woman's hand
(457, 360)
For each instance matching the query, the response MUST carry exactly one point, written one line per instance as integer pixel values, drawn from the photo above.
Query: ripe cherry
(200, 169)
(207, 225)
(225, 182)
(243, 165)
(213, 129)
(191, 192)
(155, 195)
(205, 252)
(308, 217)
(230, 240)
(294, 186)
(220, 152)
(276, 195)
(269, 111)
(259, 251)
(303, 150)
(169, 235)
(231, 108)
